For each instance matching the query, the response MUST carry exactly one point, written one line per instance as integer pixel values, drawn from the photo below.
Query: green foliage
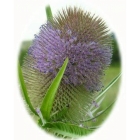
(99, 113)
(116, 53)
(68, 130)
(47, 103)
(108, 87)
(25, 90)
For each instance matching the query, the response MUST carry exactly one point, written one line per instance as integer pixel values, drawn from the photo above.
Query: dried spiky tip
(83, 38)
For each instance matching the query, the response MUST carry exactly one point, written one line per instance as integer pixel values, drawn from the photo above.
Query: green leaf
(100, 98)
(100, 113)
(47, 103)
(48, 13)
(68, 130)
(25, 93)
(108, 87)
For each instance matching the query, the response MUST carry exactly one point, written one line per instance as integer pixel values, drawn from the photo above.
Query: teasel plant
(61, 73)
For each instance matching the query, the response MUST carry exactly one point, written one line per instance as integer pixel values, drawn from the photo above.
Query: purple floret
(87, 61)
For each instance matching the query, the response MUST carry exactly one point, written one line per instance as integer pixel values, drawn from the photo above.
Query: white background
(113, 11)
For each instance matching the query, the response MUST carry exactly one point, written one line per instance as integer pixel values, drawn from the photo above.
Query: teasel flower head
(83, 38)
